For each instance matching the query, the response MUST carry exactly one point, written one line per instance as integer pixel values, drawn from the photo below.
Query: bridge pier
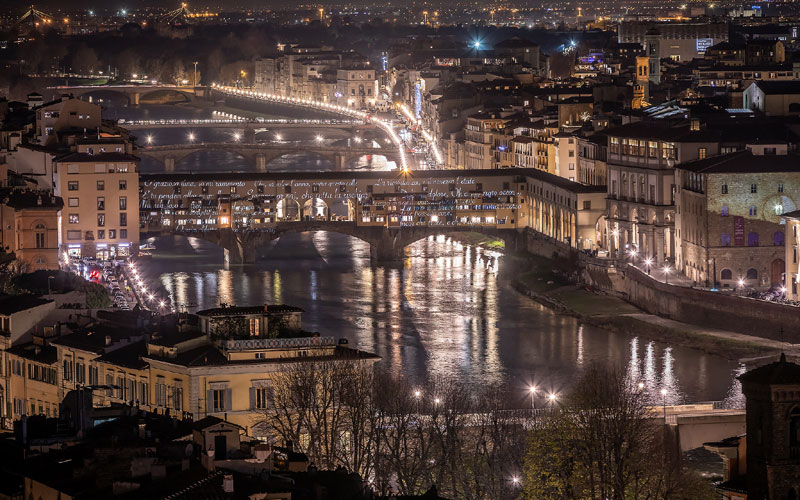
(250, 135)
(135, 96)
(340, 161)
(387, 247)
(169, 164)
(261, 162)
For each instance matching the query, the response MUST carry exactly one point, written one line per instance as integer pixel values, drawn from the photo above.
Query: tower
(652, 45)
(641, 87)
(773, 430)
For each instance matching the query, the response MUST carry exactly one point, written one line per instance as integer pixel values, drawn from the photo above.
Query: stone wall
(711, 309)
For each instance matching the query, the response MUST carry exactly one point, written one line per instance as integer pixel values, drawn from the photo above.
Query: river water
(447, 311)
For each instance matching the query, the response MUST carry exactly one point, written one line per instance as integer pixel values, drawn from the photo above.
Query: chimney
(227, 483)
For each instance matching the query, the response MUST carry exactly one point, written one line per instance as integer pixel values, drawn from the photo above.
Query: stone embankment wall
(711, 309)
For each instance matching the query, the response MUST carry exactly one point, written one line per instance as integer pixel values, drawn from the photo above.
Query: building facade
(98, 182)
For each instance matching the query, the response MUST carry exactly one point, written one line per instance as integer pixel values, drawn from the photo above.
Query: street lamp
(641, 386)
(278, 137)
(319, 138)
(149, 139)
(191, 136)
(648, 262)
(741, 283)
(666, 274)
(664, 402)
(532, 390)
(236, 136)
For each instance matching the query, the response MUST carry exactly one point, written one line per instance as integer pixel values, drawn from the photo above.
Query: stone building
(773, 430)
(729, 216)
(792, 271)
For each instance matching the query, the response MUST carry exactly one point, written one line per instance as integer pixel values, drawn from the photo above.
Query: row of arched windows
(727, 274)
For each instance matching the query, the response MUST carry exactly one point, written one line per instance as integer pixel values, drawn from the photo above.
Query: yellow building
(226, 370)
(32, 217)
(99, 184)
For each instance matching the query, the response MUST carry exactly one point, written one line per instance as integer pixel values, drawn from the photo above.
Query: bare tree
(604, 443)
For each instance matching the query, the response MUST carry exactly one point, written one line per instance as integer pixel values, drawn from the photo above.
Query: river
(447, 311)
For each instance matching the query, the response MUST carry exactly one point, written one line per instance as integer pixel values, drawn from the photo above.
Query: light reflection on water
(447, 311)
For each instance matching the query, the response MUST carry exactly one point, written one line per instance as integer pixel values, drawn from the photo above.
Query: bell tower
(773, 431)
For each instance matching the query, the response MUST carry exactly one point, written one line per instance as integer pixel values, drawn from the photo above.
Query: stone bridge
(260, 154)
(134, 93)
(248, 124)
(386, 244)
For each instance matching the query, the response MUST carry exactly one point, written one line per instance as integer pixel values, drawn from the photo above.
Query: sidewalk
(714, 333)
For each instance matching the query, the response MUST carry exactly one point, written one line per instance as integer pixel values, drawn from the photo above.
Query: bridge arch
(184, 97)
(103, 95)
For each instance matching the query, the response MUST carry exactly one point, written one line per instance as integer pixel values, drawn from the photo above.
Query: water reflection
(446, 311)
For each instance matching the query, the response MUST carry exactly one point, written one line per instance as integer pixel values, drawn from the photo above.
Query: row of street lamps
(386, 126)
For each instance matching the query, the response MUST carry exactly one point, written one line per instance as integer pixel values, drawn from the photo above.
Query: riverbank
(545, 281)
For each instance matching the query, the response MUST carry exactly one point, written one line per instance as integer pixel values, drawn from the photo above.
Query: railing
(249, 344)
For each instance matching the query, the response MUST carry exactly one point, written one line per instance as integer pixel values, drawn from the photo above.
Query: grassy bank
(541, 279)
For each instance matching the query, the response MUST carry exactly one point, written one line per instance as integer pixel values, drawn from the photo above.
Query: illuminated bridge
(256, 124)
(260, 154)
(388, 210)
(132, 92)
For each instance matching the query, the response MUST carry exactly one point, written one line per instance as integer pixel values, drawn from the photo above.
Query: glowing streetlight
(666, 274)
(552, 397)
(149, 139)
(319, 138)
(641, 386)
(191, 136)
(515, 480)
(532, 390)
(664, 401)
(741, 283)
(437, 401)
(278, 137)
(357, 140)
(476, 44)
(150, 297)
(417, 394)
(161, 304)
(237, 136)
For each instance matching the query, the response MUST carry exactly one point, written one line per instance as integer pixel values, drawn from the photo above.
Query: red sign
(738, 231)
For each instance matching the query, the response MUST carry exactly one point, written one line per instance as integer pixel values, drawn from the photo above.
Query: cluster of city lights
(386, 126)
(427, 135)
(147, 298)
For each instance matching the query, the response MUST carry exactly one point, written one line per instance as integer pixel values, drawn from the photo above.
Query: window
(723, 211)
(73, 218)
(261, 397)
(753, 210)
(101, 234)
(753, 188)
(112, 234)
(161, 392)
(72, 186)
(752, 239)
(123, 233)
(702, 153)
(724, 189)
(101, 203)
(123, 219)
(40, 240)
(101, 220)
(780, 187)
(587, 205)
(752, 274)
(652, 149)
(778, 238)
(726, 274)
(177, 398)
(67, 369)
(73, 169)
(725, 239)
(101, 185)
(123, 185)
(74, 235)
(73, 202)
(217, 399)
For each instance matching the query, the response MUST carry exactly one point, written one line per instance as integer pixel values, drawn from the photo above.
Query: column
(660, 242)
(611, 240)
(169, 164)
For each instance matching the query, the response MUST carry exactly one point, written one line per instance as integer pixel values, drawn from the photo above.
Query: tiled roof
(743, 162)
(11, 304)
